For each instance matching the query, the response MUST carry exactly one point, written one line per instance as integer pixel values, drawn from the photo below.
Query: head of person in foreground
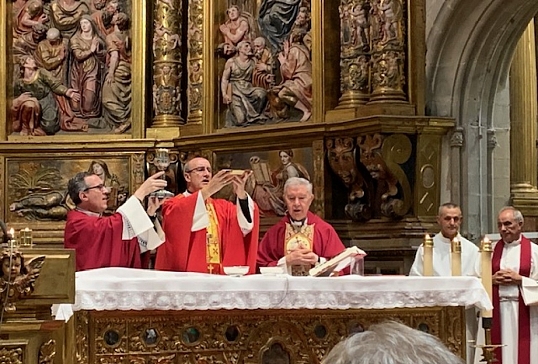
(391, 343)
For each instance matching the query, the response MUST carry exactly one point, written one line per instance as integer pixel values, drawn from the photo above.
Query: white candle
(455, 255)
(428, 255)
(485, 260)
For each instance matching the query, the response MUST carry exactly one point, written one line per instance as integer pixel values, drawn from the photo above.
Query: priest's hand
(239, 184)
(221, 179)
(154, 203)
(505, 277)
(152, 184)
(301, 257)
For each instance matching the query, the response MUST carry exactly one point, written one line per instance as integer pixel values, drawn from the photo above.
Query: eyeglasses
(99, 187)
(200, 170)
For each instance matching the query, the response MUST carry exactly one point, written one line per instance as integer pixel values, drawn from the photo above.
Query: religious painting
(37, 189)
(265, 62)
(71, 67)
(270, 171)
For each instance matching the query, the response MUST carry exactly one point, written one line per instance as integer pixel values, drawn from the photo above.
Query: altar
(144, 316)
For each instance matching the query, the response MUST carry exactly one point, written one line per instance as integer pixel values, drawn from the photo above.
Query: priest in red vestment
(205, 234)
(112, 241)
(301, 238)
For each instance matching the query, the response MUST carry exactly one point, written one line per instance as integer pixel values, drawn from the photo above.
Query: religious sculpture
(17, 280)
(276, 19)
(246, 103)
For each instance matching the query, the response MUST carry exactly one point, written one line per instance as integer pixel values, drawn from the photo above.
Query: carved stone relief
(266, 75)
(377, 184)
(71, 67)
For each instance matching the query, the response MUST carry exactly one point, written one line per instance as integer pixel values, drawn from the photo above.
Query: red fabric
(98, 243)
(185, 251)
(524, 331)
(326, 242)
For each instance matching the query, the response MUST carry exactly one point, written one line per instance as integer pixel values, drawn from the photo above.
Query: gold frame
(138, 18)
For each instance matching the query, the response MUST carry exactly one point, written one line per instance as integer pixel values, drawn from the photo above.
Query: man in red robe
(301, 238)
(112, 241)
(205, 234)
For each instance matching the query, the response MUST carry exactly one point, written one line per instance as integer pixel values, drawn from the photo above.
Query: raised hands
(152, 184)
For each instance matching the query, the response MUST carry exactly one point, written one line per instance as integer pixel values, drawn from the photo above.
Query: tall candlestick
(11, 238)
(428, 255)
(485, 260)
(455, 255)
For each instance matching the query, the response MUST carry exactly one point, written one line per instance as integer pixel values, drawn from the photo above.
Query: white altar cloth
(138, 289)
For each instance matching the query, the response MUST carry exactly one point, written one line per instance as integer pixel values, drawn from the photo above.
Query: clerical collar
(87, 212)
(298, 223)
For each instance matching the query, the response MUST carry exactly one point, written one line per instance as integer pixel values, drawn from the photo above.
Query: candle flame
(12, 232)
(486, 239)
(27, 229)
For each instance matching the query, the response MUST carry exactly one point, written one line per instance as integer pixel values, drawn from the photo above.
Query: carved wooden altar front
(239, 336)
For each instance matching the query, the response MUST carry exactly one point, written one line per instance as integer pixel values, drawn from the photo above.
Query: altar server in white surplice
(515, 292)
(449, 219)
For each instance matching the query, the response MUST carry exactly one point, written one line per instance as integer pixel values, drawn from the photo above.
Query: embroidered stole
(297, 237)
(213, 241)
(524, 332)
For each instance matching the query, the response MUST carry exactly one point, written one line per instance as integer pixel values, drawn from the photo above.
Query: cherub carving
(17, 280)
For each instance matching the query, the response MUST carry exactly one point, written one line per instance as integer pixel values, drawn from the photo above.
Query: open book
(337, 263)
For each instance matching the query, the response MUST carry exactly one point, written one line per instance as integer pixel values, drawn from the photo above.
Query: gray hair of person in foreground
(391, 343)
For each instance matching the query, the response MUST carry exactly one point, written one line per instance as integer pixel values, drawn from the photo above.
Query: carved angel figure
(17, 280)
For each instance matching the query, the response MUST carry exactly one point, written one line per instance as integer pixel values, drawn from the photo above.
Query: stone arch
(470, 46)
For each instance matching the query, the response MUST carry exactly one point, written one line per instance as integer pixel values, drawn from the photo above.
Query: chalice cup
(161, 162)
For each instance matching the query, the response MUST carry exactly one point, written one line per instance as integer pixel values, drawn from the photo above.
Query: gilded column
(388, 34)
(523, 111)
(167, 67)
(196, 64)
(354, 53)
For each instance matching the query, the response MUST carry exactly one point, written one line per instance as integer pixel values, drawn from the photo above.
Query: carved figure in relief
(287, 170)
(39, 106)
(117, 86)
(296, 87)
(86, 72)
(246, 103)
(276, 19)
(27, 43)
(391, 14)
(51, 54)
(346, 27)
(17, 280)
(46, 205)
(102, 16)
(263, 74)
(236, 28)
(66, 15)
(361, 24)
(29, 15)
(303, 22)
(341, 157)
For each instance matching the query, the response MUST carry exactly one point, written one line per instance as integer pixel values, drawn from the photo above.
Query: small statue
(16, 278)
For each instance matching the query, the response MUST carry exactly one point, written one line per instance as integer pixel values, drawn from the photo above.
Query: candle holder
(25, 238)
(162, 162)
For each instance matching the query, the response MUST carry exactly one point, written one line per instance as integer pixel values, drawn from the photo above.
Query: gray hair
(76, 185)
(447, 205)
(518, 216)
(391, 343)
(297, 181)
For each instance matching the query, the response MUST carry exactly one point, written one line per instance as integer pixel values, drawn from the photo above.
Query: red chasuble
(326, 242)
(98, 243)
(186, 251)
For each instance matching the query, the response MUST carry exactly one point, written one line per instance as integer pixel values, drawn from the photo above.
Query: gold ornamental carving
(167, 65)
(47, 352)
(196, 62)
(12, 355)
(17, 279)
(239, 336)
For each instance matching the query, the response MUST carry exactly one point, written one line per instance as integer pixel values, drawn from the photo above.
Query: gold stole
(213, 243)
(295, 238)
